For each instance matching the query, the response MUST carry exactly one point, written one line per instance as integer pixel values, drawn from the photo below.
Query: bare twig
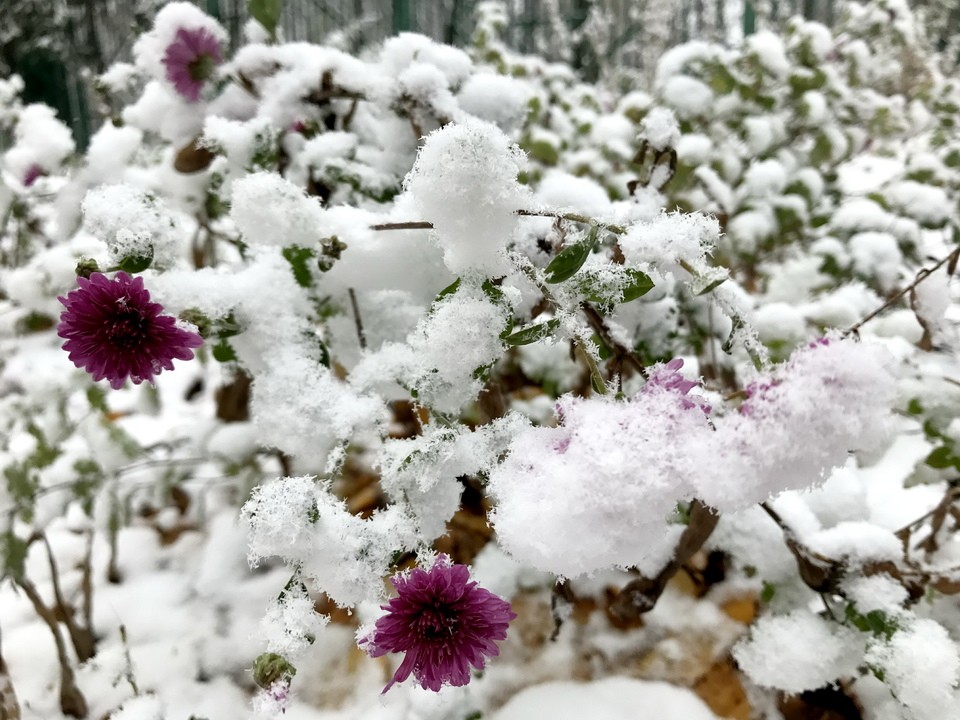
(83, 641)
(621, 353)
(921, 276)
(72, 701)
(358, 321)
(640, 595)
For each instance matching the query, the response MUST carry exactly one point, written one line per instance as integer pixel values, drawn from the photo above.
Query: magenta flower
(113, 331)
(668, 378)
(191, 59)
(443, 622)
(33, 173)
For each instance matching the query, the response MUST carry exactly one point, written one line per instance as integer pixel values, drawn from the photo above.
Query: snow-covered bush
(460, 308)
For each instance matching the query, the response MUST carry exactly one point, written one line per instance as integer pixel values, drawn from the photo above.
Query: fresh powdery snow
(391, 380)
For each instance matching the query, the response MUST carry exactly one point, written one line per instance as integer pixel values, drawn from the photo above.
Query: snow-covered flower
(113, 331)
(190, 61)
(667, 377)
(443, 622)
(33, 173)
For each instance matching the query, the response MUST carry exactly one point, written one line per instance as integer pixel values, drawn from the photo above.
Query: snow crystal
(598, 491)
(269, 210)
(280, 514)
(798, 652)
(132, 224)
(921, 665)
(300, 407)
(670, 238)
(460, 336)
(802, 419)
(613, 698)
(875, 592)
(291, 623)
(464, 181)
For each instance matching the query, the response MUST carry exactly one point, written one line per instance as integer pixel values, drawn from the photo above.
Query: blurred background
(59, 46)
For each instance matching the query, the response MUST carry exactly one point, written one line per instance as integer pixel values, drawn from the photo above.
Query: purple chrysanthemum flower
(443, 622)
(33, 173)
(113, 331)
(190, 60)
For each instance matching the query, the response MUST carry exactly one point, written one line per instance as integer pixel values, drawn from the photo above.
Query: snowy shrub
(527, 347)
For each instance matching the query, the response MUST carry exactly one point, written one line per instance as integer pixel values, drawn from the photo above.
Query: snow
(608, 699)
(798, 652)
(464, 182)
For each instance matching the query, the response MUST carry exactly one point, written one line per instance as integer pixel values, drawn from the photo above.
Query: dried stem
(640, 595)
(621, 353)
(83, 641)
(9, 705)
(358, 321)
(921, 276)
(72, 702)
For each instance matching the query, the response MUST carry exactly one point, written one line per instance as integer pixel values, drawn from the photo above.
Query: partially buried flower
(113, 331)
(190, 60)
(443, 622)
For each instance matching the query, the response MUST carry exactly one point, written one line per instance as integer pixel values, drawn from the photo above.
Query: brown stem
(921, 276)
(818, 572)
(9, 705)
(358, 321)
(411, 225)
(640, 596)
(72, 702)
(621, 353)
(84, 644)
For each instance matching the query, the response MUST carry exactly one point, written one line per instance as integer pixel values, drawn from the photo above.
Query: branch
(921, 276)
(72, 702)
(639, 596)
(620, 352)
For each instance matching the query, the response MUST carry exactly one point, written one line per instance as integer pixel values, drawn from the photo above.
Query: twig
(72, 701)
(818, 572)
(572, 217)
(621, 353)
(82, 639)
(921, 276)
(410, 225)
(358, 321)
(640, 595)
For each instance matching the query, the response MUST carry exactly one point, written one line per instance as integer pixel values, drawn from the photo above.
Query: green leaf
(223, 352)
(448, 290)
(640, 285)
(13, 552)
(267, 13)
(299, 259)
(941, 458)
(493, 293)
(97, 397)
(136, 263)
(768, 591)
(572, 258)
(532, 333)
(914, 407)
